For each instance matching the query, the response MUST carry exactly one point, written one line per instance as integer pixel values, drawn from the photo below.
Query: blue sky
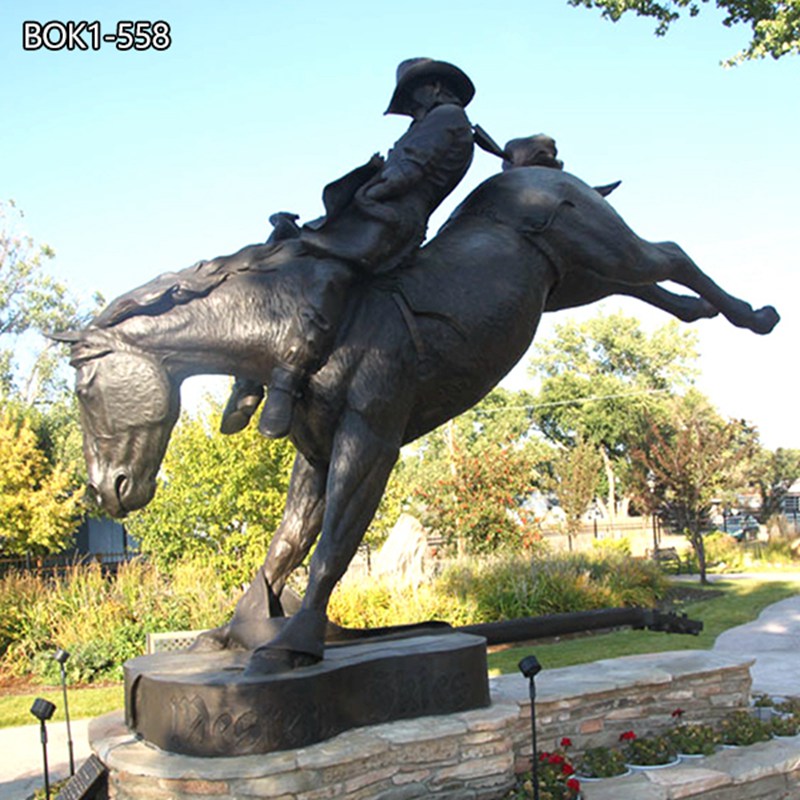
(134, 163)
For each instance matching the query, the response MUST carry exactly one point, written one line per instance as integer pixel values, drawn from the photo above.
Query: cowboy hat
(413, 71)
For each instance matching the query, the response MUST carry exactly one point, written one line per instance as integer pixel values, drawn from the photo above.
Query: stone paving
(773, 641)
(21, 766)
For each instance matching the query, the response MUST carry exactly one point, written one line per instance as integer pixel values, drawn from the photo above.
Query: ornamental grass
(101, 619)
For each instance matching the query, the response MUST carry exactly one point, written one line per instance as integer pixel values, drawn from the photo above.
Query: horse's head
(129, 405)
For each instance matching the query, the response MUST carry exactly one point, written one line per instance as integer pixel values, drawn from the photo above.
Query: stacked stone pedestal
(469, 755)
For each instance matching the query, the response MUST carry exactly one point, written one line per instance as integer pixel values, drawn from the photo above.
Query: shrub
(499, 588)
(609, 547)
(741, 728)
(723, 551)
(776, 552)
(785, 726)
(648, 751)
(693, 739)
(601, 762)
(101, 620)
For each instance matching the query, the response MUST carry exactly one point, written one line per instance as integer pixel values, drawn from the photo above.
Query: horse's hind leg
(251, 623)
(582, 287)
(739, 313)
(685, 307)
(598, 241)
(360, 465)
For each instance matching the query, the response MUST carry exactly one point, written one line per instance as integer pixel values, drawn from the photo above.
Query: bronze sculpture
(416, 346)
(376, 217)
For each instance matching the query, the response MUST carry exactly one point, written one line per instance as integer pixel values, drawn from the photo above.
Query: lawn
(740, 601)
(84, 702)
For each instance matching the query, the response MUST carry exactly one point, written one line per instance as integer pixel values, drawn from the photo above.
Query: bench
(666, 556)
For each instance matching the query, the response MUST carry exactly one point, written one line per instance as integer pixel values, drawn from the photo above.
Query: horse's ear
(605, 191)
(65, 337)
(87, 351)
(84, 347)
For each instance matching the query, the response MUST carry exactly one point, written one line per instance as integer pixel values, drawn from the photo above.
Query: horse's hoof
(274, 661)
(766, 319)
(211, 641)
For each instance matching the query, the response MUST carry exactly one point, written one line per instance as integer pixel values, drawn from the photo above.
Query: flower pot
(647, 767)
(690, 756)
(763, 713)
(587, 779)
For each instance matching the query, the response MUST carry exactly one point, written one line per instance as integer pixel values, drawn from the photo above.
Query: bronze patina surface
(203, 704)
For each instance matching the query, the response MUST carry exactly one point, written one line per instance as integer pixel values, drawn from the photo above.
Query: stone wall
(466, 756)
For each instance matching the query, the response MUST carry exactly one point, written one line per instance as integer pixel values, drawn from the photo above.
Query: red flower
(574, 784)
(678, 712)
(628, 736)
(567, 769)
(566, 742)
(556, 759)
(544, 756)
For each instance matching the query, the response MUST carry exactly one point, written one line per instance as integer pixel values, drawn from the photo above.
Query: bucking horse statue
(418, 346)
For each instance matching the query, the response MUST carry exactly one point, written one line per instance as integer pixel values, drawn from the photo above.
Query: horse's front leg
(360, 465)
(252, 622)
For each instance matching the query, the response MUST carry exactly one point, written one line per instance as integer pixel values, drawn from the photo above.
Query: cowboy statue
(376, 217)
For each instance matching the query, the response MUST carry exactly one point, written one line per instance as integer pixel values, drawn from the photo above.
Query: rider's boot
(283, 389)
(241, 405)
(310, 335)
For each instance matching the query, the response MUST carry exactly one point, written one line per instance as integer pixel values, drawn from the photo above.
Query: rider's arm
(420, 151)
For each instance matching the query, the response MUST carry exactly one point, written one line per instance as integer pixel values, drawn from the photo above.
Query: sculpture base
(202, 704)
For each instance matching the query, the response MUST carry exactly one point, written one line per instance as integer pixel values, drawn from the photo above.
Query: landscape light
(62, 656)
(530, 668)
(43, 709)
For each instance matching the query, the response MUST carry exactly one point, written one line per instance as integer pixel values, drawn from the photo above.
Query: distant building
(791, 503)
(105, 538)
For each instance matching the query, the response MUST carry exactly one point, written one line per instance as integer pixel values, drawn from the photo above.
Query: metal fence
(59, 564)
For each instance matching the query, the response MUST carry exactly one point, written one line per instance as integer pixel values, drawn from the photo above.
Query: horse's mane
(166, 291)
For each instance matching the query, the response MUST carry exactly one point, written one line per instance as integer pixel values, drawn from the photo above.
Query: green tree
(33, 376)
(477, 505)
(576, 476)
(772, 473)
(32, 303)
(218, 497)
(775, 25)
(39, 509)
(37, 404)
(690, 459)
(602, 380)
(484, 460)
